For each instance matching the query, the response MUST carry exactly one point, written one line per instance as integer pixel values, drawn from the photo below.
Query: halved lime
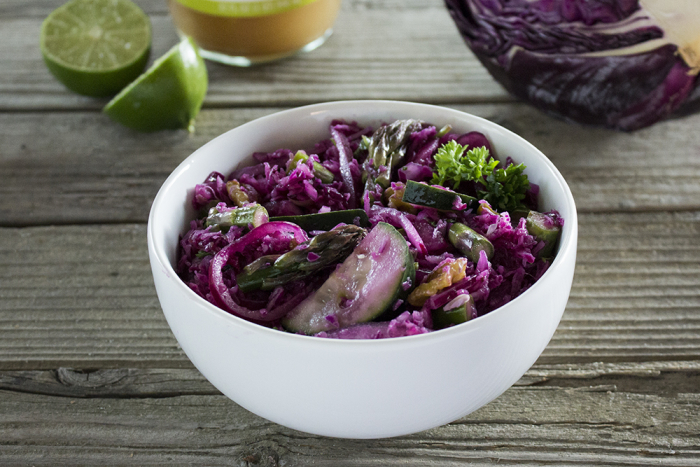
(167, 96)
(96, 47)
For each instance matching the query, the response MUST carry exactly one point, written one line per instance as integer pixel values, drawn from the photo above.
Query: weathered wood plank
(558, 425)
(66, 299)
(607, 414)
(111, 174)
(378, 50)
(664, 378)
(113, 383)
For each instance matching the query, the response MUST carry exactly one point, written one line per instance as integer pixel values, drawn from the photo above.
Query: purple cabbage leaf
(623, 64)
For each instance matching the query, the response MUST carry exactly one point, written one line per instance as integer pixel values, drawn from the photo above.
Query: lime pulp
(96, 47)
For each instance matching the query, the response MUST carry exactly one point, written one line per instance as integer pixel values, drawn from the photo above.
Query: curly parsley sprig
(504, 188)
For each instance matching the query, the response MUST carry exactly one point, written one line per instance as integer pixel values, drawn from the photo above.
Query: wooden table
(91, 374)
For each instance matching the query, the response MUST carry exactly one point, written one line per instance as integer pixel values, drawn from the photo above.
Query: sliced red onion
(220, 292)
(344, 158)
(424, 155)
(416, 172)
(399, 218)
(474, 139)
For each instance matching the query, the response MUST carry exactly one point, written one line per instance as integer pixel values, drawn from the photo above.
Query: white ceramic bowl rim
(566, 243)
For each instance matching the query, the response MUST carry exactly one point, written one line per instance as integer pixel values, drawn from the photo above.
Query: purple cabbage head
(600, 62)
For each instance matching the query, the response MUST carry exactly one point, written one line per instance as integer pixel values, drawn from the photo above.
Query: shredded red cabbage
(211, 257)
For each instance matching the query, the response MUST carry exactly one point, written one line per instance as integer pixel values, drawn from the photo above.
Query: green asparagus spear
(324, 249)
(238, 196)
(387, 148)
(443, 131)
(320, 171)
(468, 242)
(241, 217)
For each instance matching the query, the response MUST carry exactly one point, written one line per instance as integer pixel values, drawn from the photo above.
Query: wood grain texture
(595, 414)
(378, 50)
(666, 378)
(67, 300)
(570, 422)
(110, 174)
(91, 374)
(112, 383)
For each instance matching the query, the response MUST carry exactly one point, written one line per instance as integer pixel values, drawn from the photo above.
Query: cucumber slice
(518, 214)
(458, 311)
(433, 197)
(366, 284)
(326, 220)
(543, 228)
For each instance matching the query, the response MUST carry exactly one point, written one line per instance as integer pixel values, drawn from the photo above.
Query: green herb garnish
(455, 165)
(504, 188)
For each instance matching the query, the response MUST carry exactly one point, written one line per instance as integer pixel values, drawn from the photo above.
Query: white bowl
(360, 388)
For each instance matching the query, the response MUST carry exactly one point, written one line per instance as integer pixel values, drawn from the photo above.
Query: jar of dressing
(245, 32)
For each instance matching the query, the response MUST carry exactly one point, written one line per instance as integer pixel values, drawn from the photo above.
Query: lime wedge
(96, 47)
(167, 96)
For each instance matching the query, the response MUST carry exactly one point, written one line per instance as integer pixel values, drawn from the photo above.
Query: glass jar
(245, 32)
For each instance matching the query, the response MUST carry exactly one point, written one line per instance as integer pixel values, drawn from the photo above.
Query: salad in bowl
(370, 233)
